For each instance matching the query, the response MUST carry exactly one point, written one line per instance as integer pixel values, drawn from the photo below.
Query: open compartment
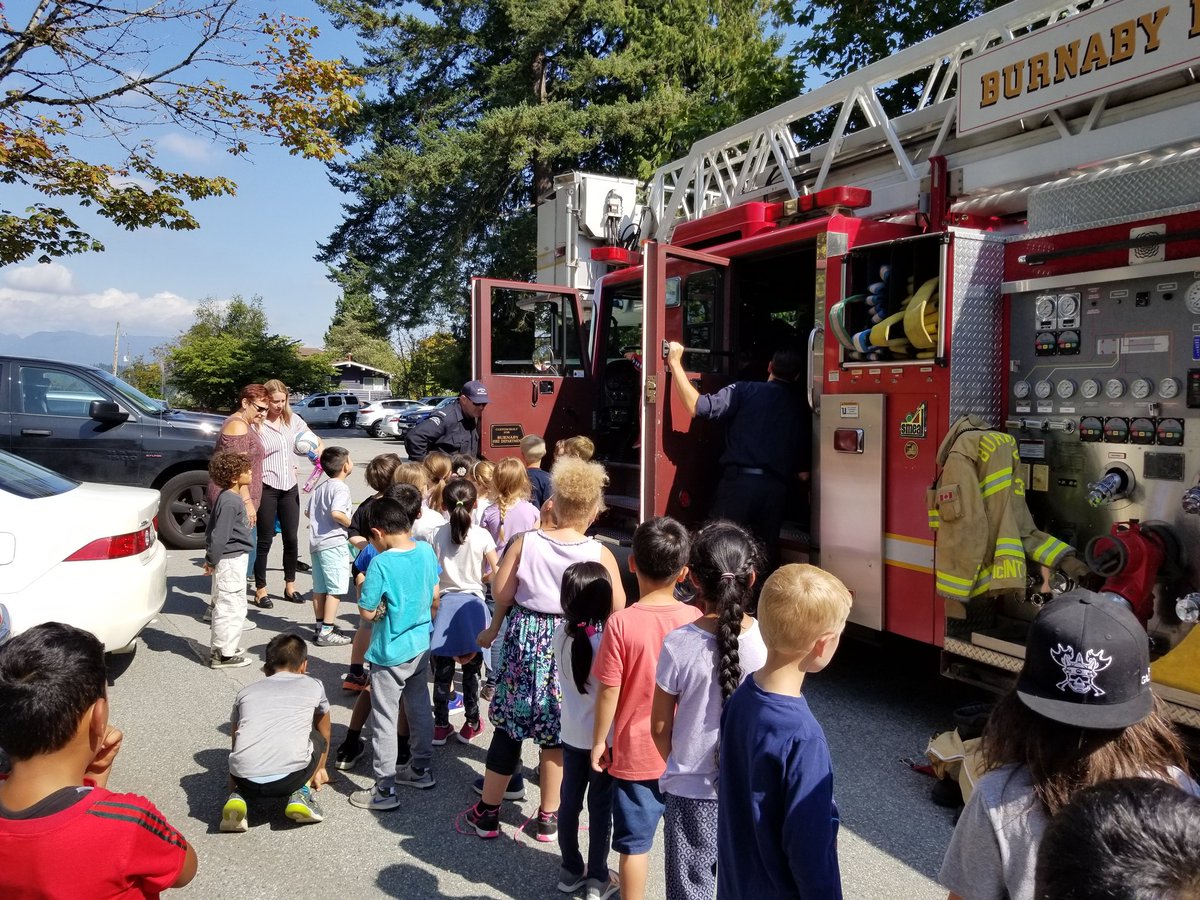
(892, 307)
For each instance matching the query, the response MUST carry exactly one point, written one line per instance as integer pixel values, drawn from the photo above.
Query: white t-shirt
(687, 669)
(462, 564)
(578, 710)
(427, 524)
(477, 513)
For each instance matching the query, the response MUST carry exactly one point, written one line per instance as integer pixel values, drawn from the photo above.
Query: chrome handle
(812, 340)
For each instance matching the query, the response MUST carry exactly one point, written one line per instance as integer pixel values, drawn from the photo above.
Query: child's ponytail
(723, 561)
(586, 604)
(459, 496)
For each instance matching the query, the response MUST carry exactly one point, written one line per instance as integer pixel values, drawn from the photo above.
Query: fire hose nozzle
(1187, 608)
(1115, 484)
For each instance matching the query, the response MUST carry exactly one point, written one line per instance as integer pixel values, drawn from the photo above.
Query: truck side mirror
(106, 411)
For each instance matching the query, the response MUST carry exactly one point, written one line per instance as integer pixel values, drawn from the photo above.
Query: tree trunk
(543, 173)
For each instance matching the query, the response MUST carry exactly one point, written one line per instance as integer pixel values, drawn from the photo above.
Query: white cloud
(39, 278)
(186, 145)
(33, 299)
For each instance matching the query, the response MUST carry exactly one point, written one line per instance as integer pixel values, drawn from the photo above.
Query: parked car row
(397, 425)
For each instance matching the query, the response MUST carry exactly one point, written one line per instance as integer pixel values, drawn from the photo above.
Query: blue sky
(261, 241)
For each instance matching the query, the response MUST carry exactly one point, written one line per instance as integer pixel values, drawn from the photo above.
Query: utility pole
(116, 346)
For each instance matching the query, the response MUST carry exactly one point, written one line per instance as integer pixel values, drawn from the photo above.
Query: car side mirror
(106, 411)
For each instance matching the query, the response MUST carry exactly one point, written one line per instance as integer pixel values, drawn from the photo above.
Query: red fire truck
(1023, 246)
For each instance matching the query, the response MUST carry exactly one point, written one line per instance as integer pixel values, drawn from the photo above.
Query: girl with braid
(700, 667)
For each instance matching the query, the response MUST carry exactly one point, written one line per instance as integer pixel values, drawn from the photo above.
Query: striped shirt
(279, 443)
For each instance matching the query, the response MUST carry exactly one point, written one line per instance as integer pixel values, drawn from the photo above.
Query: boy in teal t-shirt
(397, 598)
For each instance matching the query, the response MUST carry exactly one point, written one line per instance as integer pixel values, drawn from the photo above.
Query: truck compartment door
(528, 348)
(851, 490)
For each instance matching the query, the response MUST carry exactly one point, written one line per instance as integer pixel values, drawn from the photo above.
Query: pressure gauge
(1043, 389)
(1090, 389)
(1065, 389)
(1141, 389)
(1168, 388)
(1021, 390)
(1192, 298)
(1114, 388)
(1068, 306)
(1045, 306)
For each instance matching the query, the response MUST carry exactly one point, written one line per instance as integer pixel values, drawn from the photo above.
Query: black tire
(376, 429)
(345, 420)
(183, 510)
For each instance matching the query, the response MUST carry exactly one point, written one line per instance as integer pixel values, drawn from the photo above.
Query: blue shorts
(331, 570)
(636, 810)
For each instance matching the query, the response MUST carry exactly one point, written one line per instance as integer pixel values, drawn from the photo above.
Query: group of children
(678, 708)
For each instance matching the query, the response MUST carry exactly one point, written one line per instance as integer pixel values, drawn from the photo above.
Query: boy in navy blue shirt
(398, 597)
(777, 822)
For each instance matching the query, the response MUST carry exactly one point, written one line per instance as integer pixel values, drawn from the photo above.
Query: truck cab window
(534, 334)
(700, 321)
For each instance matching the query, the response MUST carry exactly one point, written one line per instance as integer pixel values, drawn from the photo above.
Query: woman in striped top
(278, 432)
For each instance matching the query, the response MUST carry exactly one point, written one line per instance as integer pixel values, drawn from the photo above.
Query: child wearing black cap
(1082, 713)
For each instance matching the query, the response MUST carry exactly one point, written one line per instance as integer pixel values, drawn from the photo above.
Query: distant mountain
(76, 347)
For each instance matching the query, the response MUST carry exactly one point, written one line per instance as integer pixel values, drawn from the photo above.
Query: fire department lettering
(1109, 48)
(1080, 669)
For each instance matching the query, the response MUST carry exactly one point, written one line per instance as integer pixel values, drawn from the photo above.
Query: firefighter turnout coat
(984, 531)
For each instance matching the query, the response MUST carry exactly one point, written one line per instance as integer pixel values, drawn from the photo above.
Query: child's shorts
(637, 808)
(331, 570)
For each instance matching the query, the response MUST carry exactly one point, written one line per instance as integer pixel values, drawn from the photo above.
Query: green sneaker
(303, 808)
(233, 815)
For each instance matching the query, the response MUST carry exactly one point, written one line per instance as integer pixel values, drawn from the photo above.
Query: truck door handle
(533, 399)
(812, 340)
(37, 432)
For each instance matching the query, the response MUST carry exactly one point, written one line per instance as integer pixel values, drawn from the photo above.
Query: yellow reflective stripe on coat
(935, 519)
(1049, 550)
(954, 586)
(998, 481)
(1009, 547)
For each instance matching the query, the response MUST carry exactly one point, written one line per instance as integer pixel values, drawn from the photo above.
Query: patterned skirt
(528, 700)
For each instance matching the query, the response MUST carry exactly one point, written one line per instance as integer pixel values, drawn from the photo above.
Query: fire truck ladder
(990, 170)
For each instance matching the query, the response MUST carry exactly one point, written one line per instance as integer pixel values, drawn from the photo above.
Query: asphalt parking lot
(878, 703)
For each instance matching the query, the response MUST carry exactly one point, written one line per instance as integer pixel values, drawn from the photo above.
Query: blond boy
(777, 821)
(533, 451)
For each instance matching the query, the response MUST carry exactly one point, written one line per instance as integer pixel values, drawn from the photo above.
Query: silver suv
(328, 409)
(371, 417)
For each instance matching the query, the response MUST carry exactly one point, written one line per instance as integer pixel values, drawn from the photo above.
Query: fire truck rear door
(660, 408)
(528, 347)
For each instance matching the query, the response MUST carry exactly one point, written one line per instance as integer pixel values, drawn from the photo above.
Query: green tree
(145, 376)
(228, 347)
(79, 70)
(437, 363)
(477, 104)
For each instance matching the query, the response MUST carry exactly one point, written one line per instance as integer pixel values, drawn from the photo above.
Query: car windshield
(29, 480)
(132, 395)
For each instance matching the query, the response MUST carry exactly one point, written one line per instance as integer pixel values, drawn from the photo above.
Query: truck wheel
(346, 420)
(183, 510)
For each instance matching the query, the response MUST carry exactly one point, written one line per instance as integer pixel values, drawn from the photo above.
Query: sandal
(264, 602)
(293, 597)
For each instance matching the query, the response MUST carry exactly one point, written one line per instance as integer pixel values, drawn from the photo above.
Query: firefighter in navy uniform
(768, 443)
(452, 429)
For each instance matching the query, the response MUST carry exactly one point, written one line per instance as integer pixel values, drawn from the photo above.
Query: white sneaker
(249, 625)
(597, 890)
(375, 800)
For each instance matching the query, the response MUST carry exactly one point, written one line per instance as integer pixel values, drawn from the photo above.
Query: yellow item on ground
(1180, 668)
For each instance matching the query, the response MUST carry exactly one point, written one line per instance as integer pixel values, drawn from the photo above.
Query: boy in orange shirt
(625, 665)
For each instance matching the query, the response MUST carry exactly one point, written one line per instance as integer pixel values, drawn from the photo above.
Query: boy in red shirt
(625, 665)
(54, 805)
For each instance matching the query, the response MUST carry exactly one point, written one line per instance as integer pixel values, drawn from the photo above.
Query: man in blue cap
(452, 429)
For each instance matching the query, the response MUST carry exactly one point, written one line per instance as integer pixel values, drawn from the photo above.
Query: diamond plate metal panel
(1120, 194)
(976, 364)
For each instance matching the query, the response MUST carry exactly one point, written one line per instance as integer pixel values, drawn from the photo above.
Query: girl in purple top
(511, 513)
(528, 698)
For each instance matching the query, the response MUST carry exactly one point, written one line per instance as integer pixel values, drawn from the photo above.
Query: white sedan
(80, 553)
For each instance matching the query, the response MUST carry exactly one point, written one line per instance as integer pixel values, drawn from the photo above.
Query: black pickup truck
(90, 425)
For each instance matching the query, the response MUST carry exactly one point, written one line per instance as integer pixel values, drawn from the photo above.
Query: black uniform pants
(443, 686)
(755, 501)
(285, 505)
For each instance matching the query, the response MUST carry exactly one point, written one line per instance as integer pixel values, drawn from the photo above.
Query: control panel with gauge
(1104, 390)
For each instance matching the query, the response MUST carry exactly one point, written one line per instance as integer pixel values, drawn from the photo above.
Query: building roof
(347, 363)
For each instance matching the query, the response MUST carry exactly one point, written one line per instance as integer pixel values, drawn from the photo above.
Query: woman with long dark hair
(1082, 712)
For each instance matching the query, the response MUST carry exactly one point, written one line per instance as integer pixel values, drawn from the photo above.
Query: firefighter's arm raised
(684, 389)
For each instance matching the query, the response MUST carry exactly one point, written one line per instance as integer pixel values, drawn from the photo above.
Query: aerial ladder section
(989, 165)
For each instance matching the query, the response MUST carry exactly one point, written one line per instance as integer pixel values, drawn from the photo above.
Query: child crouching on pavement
(280, 737)
(227, 546)
(397, 598)
(62, 832)
(777, 822)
